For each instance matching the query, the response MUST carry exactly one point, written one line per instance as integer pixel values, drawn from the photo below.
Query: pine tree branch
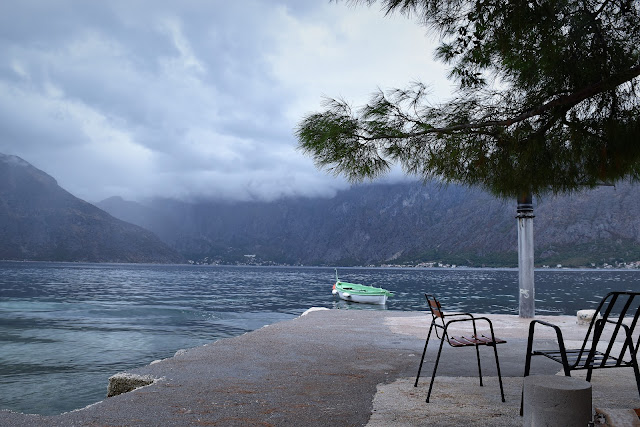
(564, 102)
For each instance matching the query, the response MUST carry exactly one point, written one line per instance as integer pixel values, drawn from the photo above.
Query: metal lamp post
(525, 256)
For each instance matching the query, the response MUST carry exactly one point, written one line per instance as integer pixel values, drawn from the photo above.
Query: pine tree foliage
(547, 100)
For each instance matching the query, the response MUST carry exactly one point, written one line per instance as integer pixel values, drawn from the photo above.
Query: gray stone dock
(338, 368)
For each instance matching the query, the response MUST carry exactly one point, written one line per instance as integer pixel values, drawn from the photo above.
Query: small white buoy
(334, 292)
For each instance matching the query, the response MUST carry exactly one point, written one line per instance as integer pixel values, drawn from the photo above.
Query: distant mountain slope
(41, 221)
(396, 223)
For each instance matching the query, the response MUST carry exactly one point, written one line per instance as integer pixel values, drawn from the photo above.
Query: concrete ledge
(584, 317)
(616, 417)
(553, 400)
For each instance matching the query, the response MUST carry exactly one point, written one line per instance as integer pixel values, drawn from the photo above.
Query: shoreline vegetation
(624, 255)
(253, 261)
(634, 265)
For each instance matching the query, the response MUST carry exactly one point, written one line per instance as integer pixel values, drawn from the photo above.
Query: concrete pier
(335, 367)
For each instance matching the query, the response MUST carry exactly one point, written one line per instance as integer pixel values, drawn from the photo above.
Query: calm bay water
(65, 328)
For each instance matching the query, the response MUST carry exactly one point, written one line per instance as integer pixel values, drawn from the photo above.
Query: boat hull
(356, 292)
(364, 299)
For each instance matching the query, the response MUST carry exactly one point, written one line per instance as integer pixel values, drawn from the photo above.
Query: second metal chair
(441, 327)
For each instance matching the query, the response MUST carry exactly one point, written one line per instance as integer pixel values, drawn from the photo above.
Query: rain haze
(192, 99)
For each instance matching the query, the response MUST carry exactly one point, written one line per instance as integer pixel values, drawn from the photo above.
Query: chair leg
(495, 351)
(589, 372)
(527, 363)
(565, 361)
(479, 368)
(435, 368)
(527, 360)
(636, 371)
(424, 352)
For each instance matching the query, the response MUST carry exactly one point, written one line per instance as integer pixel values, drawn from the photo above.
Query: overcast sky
(191, 98)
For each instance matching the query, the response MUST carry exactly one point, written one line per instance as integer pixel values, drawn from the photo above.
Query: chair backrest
(436, 313)
(434, 306)
(616, 314)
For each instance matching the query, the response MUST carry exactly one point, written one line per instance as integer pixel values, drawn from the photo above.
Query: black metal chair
(610, 316)
(441, 327)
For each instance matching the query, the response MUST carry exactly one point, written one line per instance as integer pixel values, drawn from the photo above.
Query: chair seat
(463, 341)
(580, 361)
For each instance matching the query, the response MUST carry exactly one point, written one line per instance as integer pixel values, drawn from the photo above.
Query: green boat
(356, 292)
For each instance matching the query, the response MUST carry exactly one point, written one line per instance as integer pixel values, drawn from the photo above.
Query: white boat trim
(366, 299)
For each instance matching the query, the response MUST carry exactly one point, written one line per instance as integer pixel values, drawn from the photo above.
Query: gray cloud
(189, 99)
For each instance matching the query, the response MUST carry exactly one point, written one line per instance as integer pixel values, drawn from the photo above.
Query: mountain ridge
(401, 224)
(405, 223)
(40, 221)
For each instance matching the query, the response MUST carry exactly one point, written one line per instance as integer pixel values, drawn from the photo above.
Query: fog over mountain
(373, 224)
(396, 224)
